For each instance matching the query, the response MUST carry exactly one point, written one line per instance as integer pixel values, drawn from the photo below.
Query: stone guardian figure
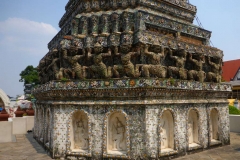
(154, 68)
(197, 73)
(99, 69)
(127, 68)
(216, 70)
(180, 60)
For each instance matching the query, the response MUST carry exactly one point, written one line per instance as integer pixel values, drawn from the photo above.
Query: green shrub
(233, 110)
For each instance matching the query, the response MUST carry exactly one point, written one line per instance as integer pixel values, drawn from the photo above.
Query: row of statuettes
(125, 61)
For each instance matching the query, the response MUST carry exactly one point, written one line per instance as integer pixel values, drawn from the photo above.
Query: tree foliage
(29, 75)
(233, 110)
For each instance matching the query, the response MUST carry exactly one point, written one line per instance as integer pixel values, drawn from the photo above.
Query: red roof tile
(230, 69)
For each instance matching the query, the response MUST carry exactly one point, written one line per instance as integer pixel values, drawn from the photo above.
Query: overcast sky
(26, 27)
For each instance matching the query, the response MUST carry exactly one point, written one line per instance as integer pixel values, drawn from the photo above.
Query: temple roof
(175, 8)
(230, 69)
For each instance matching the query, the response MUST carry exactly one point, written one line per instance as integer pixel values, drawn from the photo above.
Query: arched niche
(167, 131)
(116, 134)
(47, 132)
(41, 124)
(214, 117)
(79, 132)
(36, 122)
(192, 127)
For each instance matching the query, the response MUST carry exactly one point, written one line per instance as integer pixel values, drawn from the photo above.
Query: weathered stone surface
(130, 80)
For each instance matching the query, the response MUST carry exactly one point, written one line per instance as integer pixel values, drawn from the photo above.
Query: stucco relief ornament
(118, 135)
(163, 134)
(95, 84)
(145, 82)
(80, 136)
(120, 83)
(83, 84)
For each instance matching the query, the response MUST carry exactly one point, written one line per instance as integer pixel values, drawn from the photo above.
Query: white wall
(234, 123)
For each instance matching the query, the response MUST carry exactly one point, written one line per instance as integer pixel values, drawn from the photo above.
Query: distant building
(231, 70)
(231, 74)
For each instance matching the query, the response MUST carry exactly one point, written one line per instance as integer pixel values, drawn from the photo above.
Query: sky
(26, 27)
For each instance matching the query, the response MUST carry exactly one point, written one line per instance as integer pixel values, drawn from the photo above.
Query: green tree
(29, 75)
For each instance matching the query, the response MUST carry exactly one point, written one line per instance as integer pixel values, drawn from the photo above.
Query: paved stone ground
(26, 148)
(229, 152)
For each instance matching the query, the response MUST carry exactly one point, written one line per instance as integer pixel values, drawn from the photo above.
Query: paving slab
(26, 148)
(229, 152)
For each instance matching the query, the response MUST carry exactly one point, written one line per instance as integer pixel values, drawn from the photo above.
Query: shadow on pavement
(34, 143)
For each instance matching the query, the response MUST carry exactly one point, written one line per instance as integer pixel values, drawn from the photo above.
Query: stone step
(20, 137)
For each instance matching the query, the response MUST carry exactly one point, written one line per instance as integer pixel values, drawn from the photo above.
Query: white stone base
(234, 123)
(29, 122)
(112, 152)
(167, 150)
(5, 131)
(19, 125)
(215, 142)
(193, 146)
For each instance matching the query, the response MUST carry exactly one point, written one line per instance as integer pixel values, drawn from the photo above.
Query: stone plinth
(19, 125)
(5, 131)
(29, 122)
(148, 118)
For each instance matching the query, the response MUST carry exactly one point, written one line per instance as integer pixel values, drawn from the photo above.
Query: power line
(201, 26)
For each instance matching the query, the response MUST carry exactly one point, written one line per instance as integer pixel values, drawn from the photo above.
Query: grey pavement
(26, 148)
(229, 152)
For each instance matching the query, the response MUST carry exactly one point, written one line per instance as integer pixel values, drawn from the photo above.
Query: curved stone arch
(47, 126)
(195, 126)
(105, 134)
(70, 137)
(41, 124)
(214, 124)
(161, 137)
(4, 98)
(36, 122)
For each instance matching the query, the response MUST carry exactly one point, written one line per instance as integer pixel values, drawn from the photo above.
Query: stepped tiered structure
(128, 79)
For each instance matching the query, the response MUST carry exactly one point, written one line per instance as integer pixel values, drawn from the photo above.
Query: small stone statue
(155, 68)
(65, 66)
(80, 135)
(118, 135)
(49, 71)
(41, 71)
(180, 60)
(54, 65)
(216, 70)
(197, 74)
(163, 135)
(190, 131)
(78, 71)
(99, 69)
(127, 68)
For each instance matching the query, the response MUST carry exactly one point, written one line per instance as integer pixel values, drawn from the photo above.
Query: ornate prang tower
(128, 79)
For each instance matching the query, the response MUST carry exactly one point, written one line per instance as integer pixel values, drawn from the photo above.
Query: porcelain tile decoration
(130, 79)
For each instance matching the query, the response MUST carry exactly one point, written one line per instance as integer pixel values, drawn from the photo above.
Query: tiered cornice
(177, 8)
